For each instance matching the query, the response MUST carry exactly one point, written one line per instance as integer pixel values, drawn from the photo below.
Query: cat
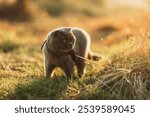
(61, 47)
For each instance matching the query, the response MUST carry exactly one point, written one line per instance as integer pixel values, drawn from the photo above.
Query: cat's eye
(64, 40)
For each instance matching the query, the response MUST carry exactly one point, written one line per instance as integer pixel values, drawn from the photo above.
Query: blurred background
(99, 17)
(23, 9)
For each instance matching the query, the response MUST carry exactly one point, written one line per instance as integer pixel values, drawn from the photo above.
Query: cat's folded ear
(68, 30)
(57, 33)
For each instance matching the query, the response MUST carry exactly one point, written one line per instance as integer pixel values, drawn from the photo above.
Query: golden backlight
(119, 31)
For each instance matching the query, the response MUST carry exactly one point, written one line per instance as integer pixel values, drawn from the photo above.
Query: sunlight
(128, 3)
(7, 1)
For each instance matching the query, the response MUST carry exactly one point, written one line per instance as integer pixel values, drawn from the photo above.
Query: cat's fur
(61, 47)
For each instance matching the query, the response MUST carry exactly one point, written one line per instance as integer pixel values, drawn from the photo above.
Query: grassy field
(122, 73)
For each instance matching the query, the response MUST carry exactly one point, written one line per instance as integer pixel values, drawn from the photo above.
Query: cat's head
(62, 40)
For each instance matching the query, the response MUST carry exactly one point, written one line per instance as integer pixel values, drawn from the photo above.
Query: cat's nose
(70, 45)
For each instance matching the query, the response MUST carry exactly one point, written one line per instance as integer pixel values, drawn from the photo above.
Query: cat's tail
(94, 56)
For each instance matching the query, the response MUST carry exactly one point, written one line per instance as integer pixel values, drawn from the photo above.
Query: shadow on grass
(40, 89)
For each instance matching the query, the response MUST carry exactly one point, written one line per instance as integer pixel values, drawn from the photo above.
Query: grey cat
(61, 47)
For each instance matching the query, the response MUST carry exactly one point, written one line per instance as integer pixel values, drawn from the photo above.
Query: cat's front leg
(68, 68)
(48, 69)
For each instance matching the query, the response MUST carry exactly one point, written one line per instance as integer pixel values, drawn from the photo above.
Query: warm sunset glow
(128, 3)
